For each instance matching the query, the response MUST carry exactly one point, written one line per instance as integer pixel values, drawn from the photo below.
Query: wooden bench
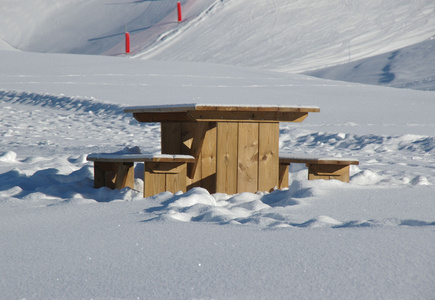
(163, 172)
(318, 168)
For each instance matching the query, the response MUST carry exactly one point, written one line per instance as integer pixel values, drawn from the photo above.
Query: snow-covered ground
(372, 238)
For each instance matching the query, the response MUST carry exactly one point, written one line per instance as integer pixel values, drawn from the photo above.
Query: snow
(402, 68)
(372, 238)
(297, 36)
(290, 156)
(128, 155)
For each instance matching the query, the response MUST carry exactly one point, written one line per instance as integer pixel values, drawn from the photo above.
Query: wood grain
(268, 165)
(226, 164)
(247, 161)
(208, 159)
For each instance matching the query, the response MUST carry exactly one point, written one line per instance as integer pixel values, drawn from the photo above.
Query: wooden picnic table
(236, 147)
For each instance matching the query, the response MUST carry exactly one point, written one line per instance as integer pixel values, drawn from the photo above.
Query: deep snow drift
(370, 239)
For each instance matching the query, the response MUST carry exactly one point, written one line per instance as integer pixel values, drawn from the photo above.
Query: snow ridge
(83, 104)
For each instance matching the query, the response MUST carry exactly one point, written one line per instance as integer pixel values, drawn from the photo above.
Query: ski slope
(272, 34)
(296, 36)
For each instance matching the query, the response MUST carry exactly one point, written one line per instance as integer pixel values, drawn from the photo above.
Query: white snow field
(372, 238)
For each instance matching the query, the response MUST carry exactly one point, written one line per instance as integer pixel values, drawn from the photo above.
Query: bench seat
(318, 168)
(162, 172)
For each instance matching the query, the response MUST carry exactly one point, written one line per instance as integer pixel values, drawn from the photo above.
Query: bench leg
(114, 175)
(160, 177)
(283, 176)
(327, 172)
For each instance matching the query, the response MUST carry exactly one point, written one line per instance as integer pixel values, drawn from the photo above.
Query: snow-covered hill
(76, 26)
(299, 36)
(412, 67)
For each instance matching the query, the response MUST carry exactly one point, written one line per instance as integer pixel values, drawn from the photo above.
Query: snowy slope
(403, 68)
(297, 36)
(78, 26)
(271, 34)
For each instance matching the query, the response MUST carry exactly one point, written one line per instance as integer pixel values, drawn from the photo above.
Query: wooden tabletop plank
(151, 117)
(222, 116)
(205, 107)
(160, 108)
(248, 116)
(211, 113)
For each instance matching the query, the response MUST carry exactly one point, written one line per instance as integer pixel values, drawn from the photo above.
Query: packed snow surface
(372, 238)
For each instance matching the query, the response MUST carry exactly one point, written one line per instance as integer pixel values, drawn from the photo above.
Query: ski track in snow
(66, 129)
(295, 41)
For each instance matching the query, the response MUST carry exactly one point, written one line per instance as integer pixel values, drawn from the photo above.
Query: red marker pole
(180, 18)
(127, 42)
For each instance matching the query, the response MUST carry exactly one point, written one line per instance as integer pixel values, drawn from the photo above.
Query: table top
(207, 112)
(216, 107)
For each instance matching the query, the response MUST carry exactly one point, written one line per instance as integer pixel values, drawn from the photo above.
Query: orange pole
(180, 18)
(127, 42)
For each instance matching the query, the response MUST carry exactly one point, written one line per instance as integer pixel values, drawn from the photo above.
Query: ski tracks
(166, 39)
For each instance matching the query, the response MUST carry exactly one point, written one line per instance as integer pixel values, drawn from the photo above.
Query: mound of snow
(9, 156)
